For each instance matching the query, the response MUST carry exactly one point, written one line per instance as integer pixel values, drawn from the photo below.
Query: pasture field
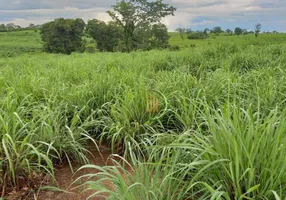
(242, 40)
(220, 132)
(14, 43)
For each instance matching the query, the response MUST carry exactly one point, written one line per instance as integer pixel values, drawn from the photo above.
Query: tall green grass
(219, 133)
(242, 157)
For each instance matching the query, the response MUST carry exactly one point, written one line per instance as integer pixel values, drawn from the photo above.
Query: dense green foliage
(108, 37)
(222, 135)
(136, 25)
(140, 21)
(63, 36)
(238, 31)
(159, 36)
(217, 30)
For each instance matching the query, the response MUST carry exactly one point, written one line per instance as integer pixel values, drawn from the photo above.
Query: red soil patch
(65, 178)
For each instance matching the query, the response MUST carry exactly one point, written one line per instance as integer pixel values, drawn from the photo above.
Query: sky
(193, 14)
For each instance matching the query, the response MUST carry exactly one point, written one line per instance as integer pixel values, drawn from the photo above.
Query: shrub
(174, 48)
(165, 64)
(91, 48)
(192, 46)
(251, 157)
(197, 36)
(238, 159)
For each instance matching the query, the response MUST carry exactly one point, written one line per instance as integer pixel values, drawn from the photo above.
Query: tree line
(13, 27)
(135, 25)
(203, 34)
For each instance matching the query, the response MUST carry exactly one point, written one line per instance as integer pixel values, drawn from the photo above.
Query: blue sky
(194, 14)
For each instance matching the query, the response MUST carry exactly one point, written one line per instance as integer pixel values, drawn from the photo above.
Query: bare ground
(65, 179)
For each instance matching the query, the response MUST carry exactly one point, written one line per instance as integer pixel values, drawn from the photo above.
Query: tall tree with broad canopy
(229, 31)
(217, 30)
(134, 14)
(238, 31)
(206, 31)
(63, 35)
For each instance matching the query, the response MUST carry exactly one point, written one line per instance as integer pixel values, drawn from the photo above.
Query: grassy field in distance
(16, 43)
(19, 42)
(250, 39)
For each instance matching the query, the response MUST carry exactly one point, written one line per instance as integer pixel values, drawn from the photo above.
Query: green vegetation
(222, 135)
(136, 25)
(241, 41)
(216, 31)
(197, 36)
(63, 36)
(257, 29)
(140, 21)
(15, 43)
(13, 27)
(238, 31)
(108, 36)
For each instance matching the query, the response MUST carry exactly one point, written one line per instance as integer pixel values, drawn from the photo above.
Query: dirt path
(65, 178)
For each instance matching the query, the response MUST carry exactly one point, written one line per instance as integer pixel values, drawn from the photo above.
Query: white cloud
(181, 19)
(210, 12)
(25, 22)
(40, 16)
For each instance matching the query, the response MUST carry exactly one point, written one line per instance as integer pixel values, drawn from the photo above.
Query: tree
(107, 36)
(228, 31)
(10, 27)
(188, 31)
(135, 14)
(238, 31)
(3, 28)
(197, 35)
(257, 29)
(63, 35)
(160, 36)
(206, 31)
(217, 30)
(244, 31)
(182, 32)
(31, 26)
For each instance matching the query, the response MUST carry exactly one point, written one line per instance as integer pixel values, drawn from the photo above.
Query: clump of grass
(242, 157)
(34, 137)
(253, 150)
(161, 176)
